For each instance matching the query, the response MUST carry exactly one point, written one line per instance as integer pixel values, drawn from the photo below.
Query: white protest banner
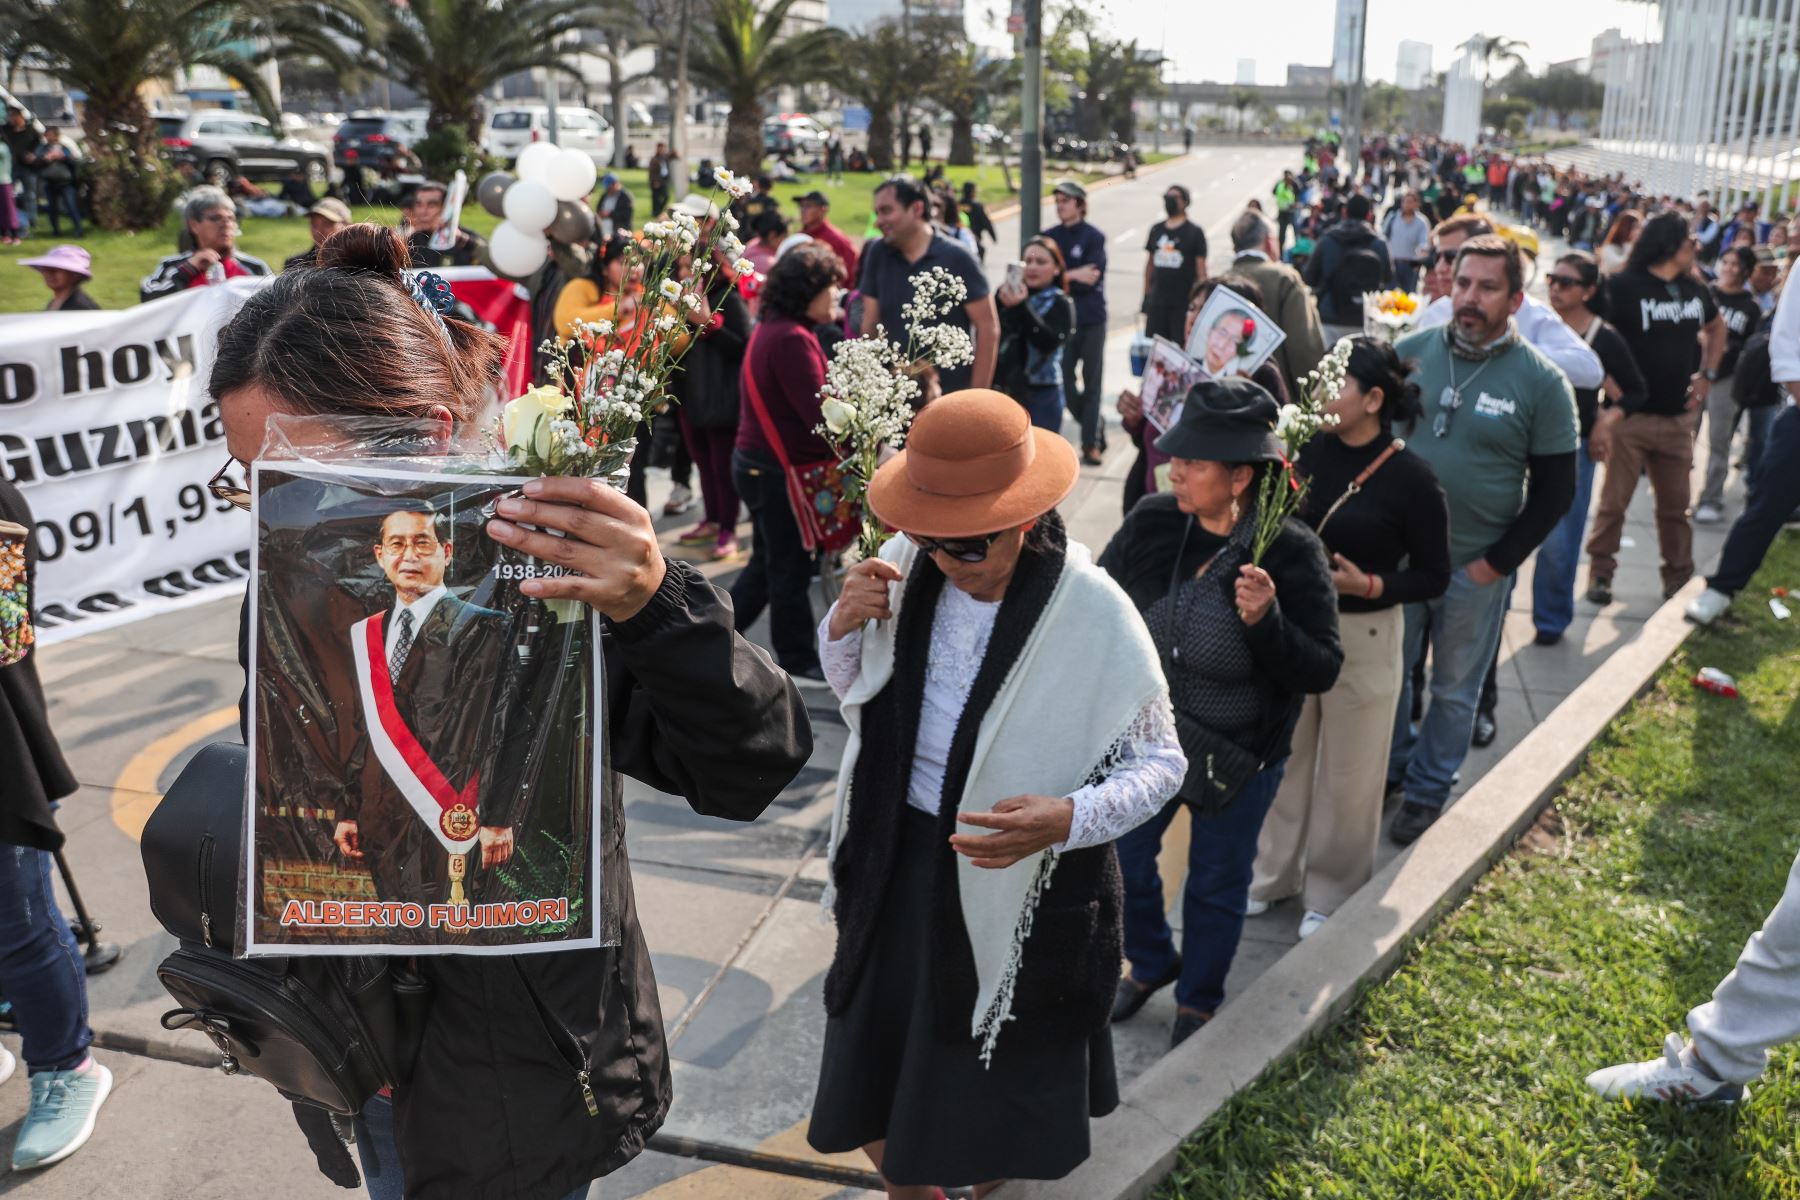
(108, 430)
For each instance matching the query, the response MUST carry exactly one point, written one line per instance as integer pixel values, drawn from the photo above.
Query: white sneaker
(1671, 1077)
(1707, 607)
(679, 501)
(1708, 514)
(8, 1064)
(1310, 923)
(1256, 908)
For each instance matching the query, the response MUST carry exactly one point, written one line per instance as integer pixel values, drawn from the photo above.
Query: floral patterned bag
(16, 633)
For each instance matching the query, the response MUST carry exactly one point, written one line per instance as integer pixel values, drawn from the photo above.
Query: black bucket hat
(1230, 420)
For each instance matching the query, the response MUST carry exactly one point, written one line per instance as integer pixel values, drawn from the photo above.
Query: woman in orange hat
(1008, 720)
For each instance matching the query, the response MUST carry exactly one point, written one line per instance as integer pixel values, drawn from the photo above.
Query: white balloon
(529, 205)
(516, 252)
(570, 175)
(535, 159)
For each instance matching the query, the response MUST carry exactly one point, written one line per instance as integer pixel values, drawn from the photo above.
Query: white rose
(526, 423)
(1284, 420)
(837, 415)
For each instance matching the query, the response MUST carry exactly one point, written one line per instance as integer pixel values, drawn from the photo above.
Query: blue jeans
(1775, 499)
(1553, 579)
(380, 1154)
(61, 201)
(1761, 420)
(1463, 626)
(1045, 406)
(41, 970)
(1085, 351)
(1221, 853)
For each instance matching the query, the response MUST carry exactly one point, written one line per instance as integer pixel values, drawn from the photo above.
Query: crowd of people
(1028, 718)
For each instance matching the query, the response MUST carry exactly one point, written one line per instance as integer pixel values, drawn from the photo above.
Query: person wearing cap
(325, 218)
(1242, 644)
(1176, 260)
(1008, 720)
(1764, 278)
(422, 214)
(1084, 252)
(815, 222)
(614, 209)
(65, 269)
(211, 221)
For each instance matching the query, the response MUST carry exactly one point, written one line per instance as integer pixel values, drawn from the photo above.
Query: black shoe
(1546, 638)
(1485, 731)
(1186, 1024)
(1131, 995)
(1411, 821)
(1600, 592)
(1390, 799)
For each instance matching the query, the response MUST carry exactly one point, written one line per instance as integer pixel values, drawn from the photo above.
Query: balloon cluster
(546, 200)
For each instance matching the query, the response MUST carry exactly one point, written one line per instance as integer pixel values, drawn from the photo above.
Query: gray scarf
(1469, 351)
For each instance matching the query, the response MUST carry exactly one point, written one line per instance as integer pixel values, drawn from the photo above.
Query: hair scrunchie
(431, 292)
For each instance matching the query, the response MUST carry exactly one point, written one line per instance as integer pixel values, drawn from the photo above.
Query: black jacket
(30, 760)
(706, 386)
(1022, 331)
(177, 274)
(1296, 645)
(494, 1108)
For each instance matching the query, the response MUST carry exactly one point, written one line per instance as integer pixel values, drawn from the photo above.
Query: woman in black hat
(1241, 644)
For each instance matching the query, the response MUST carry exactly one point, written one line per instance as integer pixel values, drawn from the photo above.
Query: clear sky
(1205, 40)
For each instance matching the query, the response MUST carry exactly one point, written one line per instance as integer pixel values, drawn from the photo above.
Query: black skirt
(948, 1120)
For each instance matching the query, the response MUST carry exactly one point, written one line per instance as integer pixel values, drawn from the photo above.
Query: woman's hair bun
(366, 246)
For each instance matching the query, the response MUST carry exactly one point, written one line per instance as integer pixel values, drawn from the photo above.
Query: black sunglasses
(223, 488)
(1563, 281)
(968, 550)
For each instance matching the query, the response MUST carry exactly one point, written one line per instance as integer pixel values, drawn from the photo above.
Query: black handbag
(1218, 768)
(329, 1031)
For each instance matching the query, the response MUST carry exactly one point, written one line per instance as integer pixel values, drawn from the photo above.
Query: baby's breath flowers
(1281, 491)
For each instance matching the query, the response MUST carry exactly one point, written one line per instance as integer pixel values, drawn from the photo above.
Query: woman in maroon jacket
(785, 367)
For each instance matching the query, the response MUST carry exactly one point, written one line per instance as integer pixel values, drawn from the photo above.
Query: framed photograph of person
(1232, 336)
(426, 743)
(1169, 374)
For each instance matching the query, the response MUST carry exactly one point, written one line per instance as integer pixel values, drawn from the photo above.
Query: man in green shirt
(1500, 431)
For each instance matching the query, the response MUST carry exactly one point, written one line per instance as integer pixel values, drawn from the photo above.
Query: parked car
(794, 133)
(378, 141)
(220, 144)
(512, 128)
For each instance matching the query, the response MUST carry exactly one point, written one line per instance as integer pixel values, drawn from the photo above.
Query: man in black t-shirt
(1677, 337)
(1742, 316)
(1177, 261)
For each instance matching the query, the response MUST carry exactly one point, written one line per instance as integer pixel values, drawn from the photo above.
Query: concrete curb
(1136, 1147)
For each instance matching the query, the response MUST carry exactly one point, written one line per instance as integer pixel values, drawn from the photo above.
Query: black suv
(378, 142)
(220, 144)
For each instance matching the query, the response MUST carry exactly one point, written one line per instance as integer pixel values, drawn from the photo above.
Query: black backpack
(1359, 270)
(1752, 383)
(329, 1031)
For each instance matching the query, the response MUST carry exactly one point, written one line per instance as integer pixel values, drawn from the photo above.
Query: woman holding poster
(538, 1073)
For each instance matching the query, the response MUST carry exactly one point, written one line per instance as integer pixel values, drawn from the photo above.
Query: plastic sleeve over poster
(427, 744)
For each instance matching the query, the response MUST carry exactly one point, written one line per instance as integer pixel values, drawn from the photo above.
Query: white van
(512, 128)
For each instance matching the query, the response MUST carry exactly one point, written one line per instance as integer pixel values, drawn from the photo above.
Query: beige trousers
(1319, 838)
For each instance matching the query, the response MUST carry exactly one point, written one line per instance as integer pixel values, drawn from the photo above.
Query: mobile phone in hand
(1015, 275)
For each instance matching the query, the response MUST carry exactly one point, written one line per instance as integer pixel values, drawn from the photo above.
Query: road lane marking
(1127, 236)
(135, 794)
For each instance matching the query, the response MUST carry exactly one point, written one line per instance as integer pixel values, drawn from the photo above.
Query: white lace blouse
(1145, 770)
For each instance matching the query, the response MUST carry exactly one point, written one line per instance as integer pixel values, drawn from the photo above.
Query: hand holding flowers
(1281, 490)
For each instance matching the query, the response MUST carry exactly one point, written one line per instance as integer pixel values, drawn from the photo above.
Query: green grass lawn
(122, 260)
(1461, 1075)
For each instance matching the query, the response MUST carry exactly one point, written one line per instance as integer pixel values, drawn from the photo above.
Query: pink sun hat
(64, 258)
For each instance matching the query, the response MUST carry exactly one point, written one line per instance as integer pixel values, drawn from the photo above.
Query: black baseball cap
(815, 197)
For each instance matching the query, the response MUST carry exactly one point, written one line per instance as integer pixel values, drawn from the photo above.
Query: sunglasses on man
(967, 550)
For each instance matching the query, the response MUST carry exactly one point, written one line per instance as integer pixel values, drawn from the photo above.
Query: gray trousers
(1757, 1006)
(1721, 423)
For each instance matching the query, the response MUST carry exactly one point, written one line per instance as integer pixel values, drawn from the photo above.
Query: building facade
(1412, 70)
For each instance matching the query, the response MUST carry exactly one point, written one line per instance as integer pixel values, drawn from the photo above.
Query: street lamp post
(1031, 150)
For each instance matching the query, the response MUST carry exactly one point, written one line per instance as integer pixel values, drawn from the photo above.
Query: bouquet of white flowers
(614, 374)
(871, 388)
(1282, 490)
(1391, 315)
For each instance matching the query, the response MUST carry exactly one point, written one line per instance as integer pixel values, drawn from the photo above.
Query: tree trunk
(881, 138)
(133, 187)
(678, 118)
(743, 135)
(962, 140)
(615, 88)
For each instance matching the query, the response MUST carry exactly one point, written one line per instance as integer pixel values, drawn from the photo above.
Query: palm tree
(109, 49)
(877, 67)
(1498, 51)
(961, 83)
(740, 48)
(1241, 99)
(622, 29)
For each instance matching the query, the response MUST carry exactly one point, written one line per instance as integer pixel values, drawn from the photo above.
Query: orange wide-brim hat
(973, 465)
